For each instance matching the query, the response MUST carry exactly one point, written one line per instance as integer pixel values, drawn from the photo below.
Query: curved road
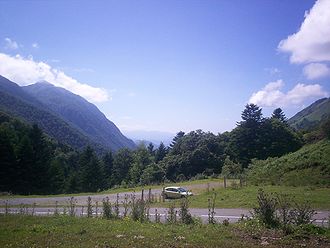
(48, 203)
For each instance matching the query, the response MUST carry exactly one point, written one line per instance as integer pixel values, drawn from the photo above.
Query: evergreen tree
(279, 114)
(175, 145)
(160, 152)
(91, 173)
(7, 163)
(151, 149)
(41, 161)
(25, 163)
(246, 138)
(57, 179)
(107, 162)
(123, 160)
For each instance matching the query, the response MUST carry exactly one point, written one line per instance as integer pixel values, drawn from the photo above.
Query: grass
(27, 231)
(246, 197)
(64, 231)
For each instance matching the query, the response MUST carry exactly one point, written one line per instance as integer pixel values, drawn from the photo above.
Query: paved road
(82, 200)
(221, 214)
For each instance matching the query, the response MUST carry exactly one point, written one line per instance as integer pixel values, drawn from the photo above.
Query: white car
(176, 192)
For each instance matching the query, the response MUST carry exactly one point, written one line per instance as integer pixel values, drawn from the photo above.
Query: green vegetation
(85, 232)
(65, 231)
(312, 116)
(245, 197)
(35, 164)
(307, 166)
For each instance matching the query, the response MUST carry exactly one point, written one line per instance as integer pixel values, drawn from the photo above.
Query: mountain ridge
(16, 101)
(80, 113)
(311, 116)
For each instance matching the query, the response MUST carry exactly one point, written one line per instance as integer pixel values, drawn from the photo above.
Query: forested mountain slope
(81, 114)
(311, 116)
(16, 102)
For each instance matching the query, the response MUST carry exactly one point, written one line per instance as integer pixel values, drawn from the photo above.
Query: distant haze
(154, 137)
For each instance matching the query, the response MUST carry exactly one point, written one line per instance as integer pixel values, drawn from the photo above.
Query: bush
(184, 214)
(266, 210)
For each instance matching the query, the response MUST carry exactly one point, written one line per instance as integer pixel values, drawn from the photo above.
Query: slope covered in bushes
(310, 165)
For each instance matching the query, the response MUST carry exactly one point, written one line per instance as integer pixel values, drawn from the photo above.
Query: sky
(172, 65)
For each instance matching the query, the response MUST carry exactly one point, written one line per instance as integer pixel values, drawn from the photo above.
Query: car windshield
(182, 190)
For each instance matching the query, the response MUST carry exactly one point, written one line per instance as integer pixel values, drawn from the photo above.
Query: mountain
(312, 116)
(80, 114)
(16, 102)
(155, 137)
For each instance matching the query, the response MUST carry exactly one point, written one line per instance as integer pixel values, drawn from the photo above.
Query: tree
(91, 172)
(24, 167)
(7, 163)
(151, 149)
(175, 145)
(41, 153)
(160, 152)
(230, 168)
(246, 138)
(252, 114)
(107, 164)
(279, 115)
(141, 158)
(123, 160)
(153, 173)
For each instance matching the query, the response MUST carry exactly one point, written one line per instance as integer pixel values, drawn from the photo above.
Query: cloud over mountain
(272, 94)
(25, 71)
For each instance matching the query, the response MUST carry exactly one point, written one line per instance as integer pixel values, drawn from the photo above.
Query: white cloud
(272, 95)
(11, 44)
(27, 71)
(312, 42)
(35, 45)
(316, 70)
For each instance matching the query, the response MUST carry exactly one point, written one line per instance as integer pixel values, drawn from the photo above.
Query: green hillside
(308, 166)
(311, 116)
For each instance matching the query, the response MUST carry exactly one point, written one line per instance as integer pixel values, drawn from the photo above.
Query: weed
(107, 212)
(126, 205)
(185, 216)
(72, 206)
(157, 216)
(303, 213)
(116, 206)
(89, 207)
(211, 206)
(171, 214)
(6, 207)
(56, 209)
(266, 210)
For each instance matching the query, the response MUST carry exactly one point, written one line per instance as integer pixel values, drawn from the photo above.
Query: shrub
(266, 210)
(107, 212)
(185, 216)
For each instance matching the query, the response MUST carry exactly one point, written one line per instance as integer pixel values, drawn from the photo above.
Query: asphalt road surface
(45, 205)
(232, 215)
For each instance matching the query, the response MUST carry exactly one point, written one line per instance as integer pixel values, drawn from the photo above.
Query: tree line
(33, 163)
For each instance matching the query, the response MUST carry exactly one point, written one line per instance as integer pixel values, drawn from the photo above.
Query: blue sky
(172, 65)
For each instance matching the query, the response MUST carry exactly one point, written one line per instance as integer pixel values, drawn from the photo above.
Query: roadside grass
(64, 231)
(246, 197)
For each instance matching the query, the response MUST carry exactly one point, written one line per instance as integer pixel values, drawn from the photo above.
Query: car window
(182, 190)
(170, 189)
